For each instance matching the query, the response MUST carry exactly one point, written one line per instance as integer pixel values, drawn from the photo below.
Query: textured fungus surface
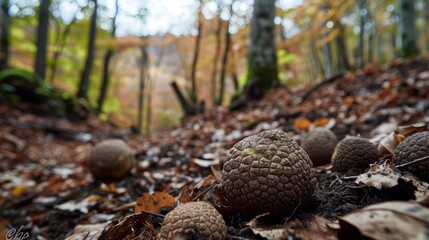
(268, 172)
(414, 147)
(319, 144)
(193, 219)
(111, 159)
(353, 155)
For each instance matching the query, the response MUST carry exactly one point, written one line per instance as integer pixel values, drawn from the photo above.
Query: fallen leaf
(133, 226)
(389, 143)
(388, 220)
(267, 231)
(319, 228)
(302, 124)
(386, 176)
(89, 231)
(409, 130)
(348, 101)
(185, 195)
(203, 187)
(154, 202)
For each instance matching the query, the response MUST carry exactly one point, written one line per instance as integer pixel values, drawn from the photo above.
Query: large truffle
(197, 219)
(111, 159)
(268, 172)
(353, 155)
(414, 147)
(319, 144)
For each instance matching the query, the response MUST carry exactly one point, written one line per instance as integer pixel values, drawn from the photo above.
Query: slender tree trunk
(327, 60)
(143, 69)
(262, 52)
(343, 59)
(224, 61)
(408, 28)
(84, 83)
(362, 13)
(217, 53)
(61, 41)
(106, 65)
(4, 44)
(42, 39)
(426, 24)
(195, 58)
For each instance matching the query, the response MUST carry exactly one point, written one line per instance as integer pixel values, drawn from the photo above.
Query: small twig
(349, 178)
(125, 206)
(154, 214)
(417, 161)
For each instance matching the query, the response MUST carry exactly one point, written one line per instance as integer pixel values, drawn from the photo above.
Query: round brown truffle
(193, 219)
(268, 173)
(111, 159)
(353, 155)
(412, 148)
(319, 144)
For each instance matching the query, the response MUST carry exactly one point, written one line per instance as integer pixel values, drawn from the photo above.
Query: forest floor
(47, 190)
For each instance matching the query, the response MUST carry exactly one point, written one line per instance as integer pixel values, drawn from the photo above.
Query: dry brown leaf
(133, 226)
(318, 229)
(385, 176)
(267, 231)
(388, 144)
(89, 231)
(302, 124)
(348, 101)
(409, 130)
(203, 187)
(154, 202)
(185, 195)
(389, 220)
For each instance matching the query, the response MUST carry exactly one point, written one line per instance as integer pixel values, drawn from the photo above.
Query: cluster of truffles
(194, 219)
(267, 173)
(111, 159)
(353, 155)
(412, 148)
(319, 144)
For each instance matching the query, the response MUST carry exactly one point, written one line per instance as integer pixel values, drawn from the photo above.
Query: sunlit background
(308, 38)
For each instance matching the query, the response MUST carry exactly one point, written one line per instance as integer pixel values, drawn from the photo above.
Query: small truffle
(111, 159)
(353, 155)
(319, 144)
(412, 148)
(268, 173)
(197, 219)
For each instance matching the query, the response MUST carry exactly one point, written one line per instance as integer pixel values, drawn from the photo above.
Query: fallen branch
(417, 161)
(316, 87)
(67, 133)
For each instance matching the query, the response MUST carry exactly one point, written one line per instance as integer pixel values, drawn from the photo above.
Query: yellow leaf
(154, 202)
(18, 190)
(302, 124)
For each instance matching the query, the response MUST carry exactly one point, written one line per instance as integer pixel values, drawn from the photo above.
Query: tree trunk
(262, 53)
(195, 58)
(59, 47)
(219, 101)
(217, 53)
(343, 59)
(327, 60)
(42, 39)
(426, 24)
(4, 44)
(84, 82)
(106, 65)
(408, 28)
(362, 13)
(143, 69)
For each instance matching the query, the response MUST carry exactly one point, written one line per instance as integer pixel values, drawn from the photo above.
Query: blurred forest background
(123, 57)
